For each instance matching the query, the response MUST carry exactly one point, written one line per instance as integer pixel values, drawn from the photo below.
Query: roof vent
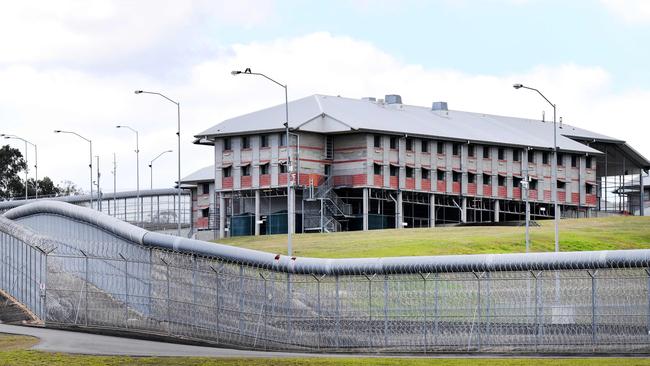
(439, 106)
(393, 99)
(369, 99)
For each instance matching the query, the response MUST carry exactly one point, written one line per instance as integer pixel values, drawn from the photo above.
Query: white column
(497, 210)
(463, 211)
(222, 216)
(257, 212)
(366, 192)
(399, 214)
(432, 210)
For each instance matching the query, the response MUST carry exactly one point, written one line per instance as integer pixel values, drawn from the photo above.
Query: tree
(11, 164)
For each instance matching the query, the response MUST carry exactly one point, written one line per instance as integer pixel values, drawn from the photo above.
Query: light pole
(178, 134)
(90, 163)
(553, 166)
(138, 210)
(35, 161)
(290, 204)
(151, 177)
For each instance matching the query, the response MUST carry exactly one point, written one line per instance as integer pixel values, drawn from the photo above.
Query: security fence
(99, 273)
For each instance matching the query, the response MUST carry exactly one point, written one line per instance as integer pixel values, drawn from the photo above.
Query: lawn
(14, 351)
(575, 235)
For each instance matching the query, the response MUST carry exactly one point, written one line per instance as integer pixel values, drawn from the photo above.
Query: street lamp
(35, 160)
(178, 133)
(290, 205)
(138, 210)
(553, 166)
(90, 164)
(151, 177)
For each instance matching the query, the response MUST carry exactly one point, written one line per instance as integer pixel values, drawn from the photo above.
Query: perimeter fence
(119, 280)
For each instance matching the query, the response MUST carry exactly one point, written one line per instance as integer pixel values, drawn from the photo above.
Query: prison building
(361, 164)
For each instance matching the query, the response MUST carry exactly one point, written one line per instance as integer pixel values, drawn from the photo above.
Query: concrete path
(53, 340)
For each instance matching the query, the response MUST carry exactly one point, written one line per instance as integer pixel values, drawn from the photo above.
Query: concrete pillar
(497, 210)
(257, 212)
(432, 210)
(641, 196)
(291, 220)
(366, 192)
(463, 210)
(399, 211)
(222, 216)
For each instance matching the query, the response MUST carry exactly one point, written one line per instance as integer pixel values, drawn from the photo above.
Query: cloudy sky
(74, 65)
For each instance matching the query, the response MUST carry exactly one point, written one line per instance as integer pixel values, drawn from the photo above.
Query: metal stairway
(327, 216)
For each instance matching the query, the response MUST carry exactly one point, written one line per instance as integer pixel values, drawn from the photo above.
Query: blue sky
(73, 65)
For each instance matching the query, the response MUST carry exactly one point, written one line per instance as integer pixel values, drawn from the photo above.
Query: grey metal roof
(328, 114)
(202, 175)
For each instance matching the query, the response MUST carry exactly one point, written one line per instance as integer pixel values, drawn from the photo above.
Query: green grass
(575, 235)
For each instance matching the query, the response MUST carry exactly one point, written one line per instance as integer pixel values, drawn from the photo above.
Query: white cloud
(632, 11)
(35, 101)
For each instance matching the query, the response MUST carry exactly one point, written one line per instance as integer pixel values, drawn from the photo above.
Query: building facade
(370, 164)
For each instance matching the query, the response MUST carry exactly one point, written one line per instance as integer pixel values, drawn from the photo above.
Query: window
(205, 212)
(532, 185)
(264, 169)
(205, 188)
(327, 169)
(409, 172)
(441, 147)
(502, 153)
(455, 148)
(394, 171)
(393, 143)
(226, 144)
(574, 161)
(440, 174)
(283, 139)
(471, 178)
(561, 184)
(283, 168)
(531, 156)
(329, 147)
(425, 173)
(516, 181)
(409, 144)
(377, 141)
(245, 142)
(590, 189)
(264, 141)
(425, 146)
(486, 152)
(588, 162)
(470, 150)
(246, 170)
(502, 181)
(560, 159)
(487, 179)
(545, 158)
(516, 155)
(227, 172)
(455, 176)
(377, 169)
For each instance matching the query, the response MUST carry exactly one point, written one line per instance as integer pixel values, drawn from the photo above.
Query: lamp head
(235, 72)
(6, 137)
(3, 134)
(138, 91)
(57, 131)
(118, 126)
(517, 86)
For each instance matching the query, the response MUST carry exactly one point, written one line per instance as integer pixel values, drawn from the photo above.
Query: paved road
(53, 340)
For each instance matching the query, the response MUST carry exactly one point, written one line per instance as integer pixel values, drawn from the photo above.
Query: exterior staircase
(327, 216)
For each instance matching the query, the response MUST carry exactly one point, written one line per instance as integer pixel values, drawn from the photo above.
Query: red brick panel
(359, 179)
(547, 196)
(394, 181)
(441, 186)
(516, 193)
(502, 192)
(532, 194)
(455, 187)
(410, 183)
(487, 190)
(378, 180)
(350, 180)
(202, 223)
(282, 179)
(227, 183)
(471, 189)
(265, 180)
(575, 197)
(246, 181)
(561, 196)
(591, 199)
(426, 184)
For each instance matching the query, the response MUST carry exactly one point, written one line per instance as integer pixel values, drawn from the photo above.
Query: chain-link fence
(100, 279)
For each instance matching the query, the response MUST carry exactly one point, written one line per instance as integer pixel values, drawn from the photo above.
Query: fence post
(338, 311)
(385, 310)
(647, 271)
(369, 303)
(318, 309)
(169, 319)
(241, 300)
(126, 291)
(593, 308)
(424, 310)
(218, 308)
